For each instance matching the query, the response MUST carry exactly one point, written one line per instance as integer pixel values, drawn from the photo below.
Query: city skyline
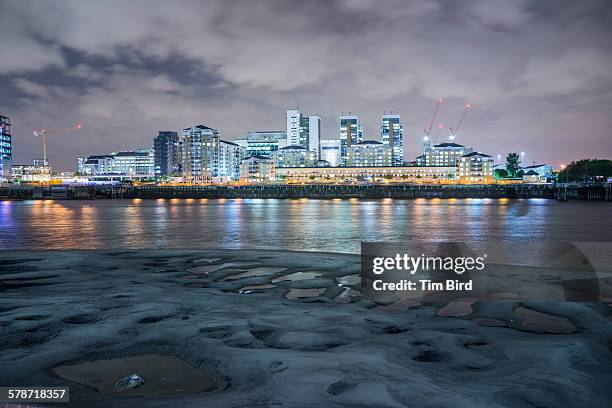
(535, 74)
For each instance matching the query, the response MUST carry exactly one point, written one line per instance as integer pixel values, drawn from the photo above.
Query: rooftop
(200, 127)
(228, 142)
(535, 166)
(474, 154)
(293, 147)
(257, 156)
(368, 142)
(131, 153)
(449, 144)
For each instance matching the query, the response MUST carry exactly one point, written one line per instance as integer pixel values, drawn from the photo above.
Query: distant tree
(587, 170)
(388, 176)
(501, 173)
(513, 164)
(312, 177)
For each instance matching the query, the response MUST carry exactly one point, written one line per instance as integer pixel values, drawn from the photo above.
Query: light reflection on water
(299, 224)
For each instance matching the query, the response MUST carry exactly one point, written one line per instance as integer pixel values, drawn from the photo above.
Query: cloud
(501, 14)
(128, 69)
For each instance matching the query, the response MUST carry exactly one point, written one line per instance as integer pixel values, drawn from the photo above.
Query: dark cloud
(537, 73)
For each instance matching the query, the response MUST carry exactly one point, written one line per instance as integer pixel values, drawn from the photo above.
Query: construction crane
(440, 127)
(455, 129)
(433, 119)
(43, 133)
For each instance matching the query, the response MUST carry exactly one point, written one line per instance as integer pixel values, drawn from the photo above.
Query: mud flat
(223, 328)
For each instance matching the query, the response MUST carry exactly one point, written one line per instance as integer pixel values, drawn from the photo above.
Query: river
(311, 225)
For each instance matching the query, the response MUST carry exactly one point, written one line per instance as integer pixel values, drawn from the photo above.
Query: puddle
(304, 293)
(200, 260)
(297, 276)
(457, 308)
(349, 280)
(256, 287)
(261, 271)
(206, 268)
(543, 323)
(213, 268)
(163, 375)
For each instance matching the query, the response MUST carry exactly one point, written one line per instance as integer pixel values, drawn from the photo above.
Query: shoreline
(561, 192)
(284, 328)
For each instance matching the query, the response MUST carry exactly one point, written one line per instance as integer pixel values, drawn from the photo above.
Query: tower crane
(43, 133)
(440, 127)
(455, 129)
(433, 119)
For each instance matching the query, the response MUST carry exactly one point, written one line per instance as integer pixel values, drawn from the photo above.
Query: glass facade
(351, 133)
(330, 152)
(6, 152)
(165, 146)
(392, 134)
(263, 143)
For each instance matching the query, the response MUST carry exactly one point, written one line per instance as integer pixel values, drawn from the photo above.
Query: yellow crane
(43, 133)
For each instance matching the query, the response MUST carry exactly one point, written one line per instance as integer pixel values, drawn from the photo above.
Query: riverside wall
(562, 192)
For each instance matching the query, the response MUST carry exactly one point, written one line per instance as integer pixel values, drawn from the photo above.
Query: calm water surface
(326, 225)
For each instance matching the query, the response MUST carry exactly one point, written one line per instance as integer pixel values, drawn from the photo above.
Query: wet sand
(273, 328)
(163, 375)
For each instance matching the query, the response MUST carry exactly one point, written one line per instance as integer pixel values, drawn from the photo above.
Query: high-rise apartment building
(392, 134)
(200, 154)
(6, 149)
(303, 130)
(294, 122)
(351, 133)
(230, 157)
(314, 135)
(166, 148)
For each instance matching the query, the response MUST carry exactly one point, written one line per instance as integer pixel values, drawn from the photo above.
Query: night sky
(538, 74)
